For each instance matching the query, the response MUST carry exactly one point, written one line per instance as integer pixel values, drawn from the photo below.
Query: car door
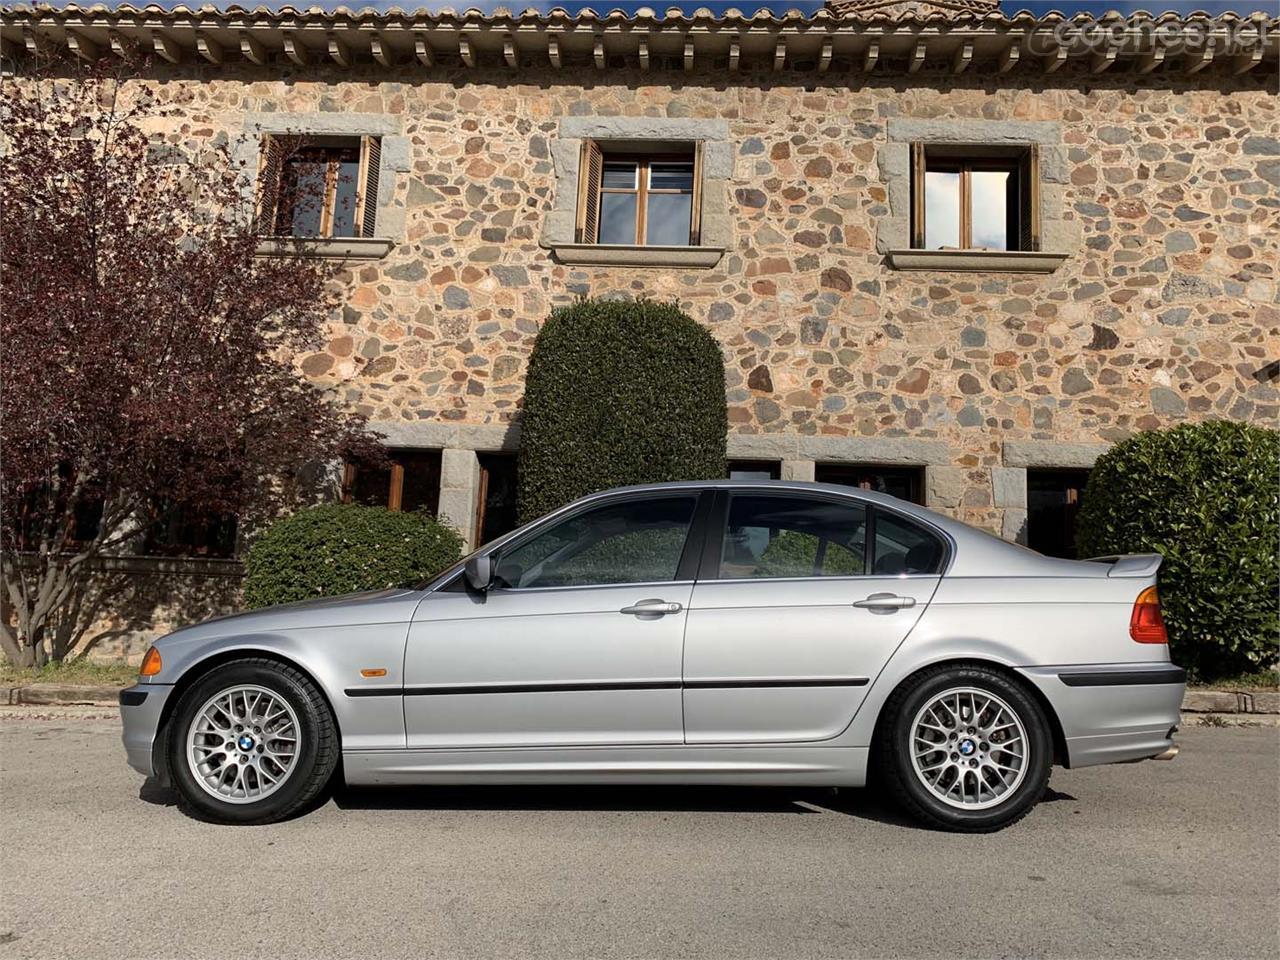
(578, 641)
(796, 609)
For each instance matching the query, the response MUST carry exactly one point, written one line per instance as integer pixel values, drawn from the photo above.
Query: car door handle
(885, 602)
(658, 607)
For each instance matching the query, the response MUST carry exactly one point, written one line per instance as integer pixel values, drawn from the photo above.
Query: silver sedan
(713, 632)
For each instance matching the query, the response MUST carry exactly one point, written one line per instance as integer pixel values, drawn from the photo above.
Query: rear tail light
(1146, 625)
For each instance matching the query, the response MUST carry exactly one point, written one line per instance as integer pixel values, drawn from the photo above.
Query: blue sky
(1010, 6)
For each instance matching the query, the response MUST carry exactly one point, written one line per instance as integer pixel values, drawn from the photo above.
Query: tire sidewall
(1039, 743)
(310, 723)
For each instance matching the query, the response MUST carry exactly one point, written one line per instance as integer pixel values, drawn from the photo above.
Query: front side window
(638, 199)
(636, 541)
(324, 187)
(974, 198)
(769, 537)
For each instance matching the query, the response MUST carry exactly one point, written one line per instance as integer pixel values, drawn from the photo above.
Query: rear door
(801, 599)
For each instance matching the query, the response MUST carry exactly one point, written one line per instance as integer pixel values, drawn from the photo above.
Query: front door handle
(885, 602)
(652, 608)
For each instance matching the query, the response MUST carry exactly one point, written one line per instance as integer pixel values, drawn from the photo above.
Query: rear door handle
(652, 607)
(885, 602)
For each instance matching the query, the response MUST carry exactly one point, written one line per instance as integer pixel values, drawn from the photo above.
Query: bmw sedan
(689, 633)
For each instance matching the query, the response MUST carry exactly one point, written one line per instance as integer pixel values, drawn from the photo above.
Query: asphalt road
(1162, 860)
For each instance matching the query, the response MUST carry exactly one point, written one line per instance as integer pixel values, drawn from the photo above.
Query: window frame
(595, 154)
(396, 458)
(273, 175)
(1023, 215)
(717, 527)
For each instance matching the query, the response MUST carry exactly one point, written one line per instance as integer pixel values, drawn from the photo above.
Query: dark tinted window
(770, 537)
(904, 547)
(638, 541)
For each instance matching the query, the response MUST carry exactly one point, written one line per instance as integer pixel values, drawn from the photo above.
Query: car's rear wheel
(253, 741)
(965, 748)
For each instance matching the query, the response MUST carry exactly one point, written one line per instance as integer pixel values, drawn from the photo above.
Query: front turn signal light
(1146, 625)
(150, 663)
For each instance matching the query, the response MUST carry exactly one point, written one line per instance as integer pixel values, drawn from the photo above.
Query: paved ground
(1153, 860)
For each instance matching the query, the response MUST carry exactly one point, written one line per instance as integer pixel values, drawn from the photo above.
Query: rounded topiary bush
(334, 549)
(619, 392)
(1206, 497)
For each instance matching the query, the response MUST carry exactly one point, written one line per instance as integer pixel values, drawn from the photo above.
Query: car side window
(769, 537)
(904, 547)
(636, 541)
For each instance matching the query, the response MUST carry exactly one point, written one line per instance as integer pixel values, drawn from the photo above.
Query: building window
(905, 483)
(409, 480)
(1053, 504)
(319, 187)
(182, 532)
(639, 199)
(754, 470)
(974, 197)
(496, 510)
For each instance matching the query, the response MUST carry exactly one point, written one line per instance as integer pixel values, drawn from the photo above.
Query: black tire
(314, 764)
(895, 771)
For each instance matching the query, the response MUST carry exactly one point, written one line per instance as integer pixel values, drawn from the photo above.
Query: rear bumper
(1112, 713)
(141, 707)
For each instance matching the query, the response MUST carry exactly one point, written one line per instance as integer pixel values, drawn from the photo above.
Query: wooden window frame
(396, 471)
(273, 165)
(591, 190)
(1023, 213)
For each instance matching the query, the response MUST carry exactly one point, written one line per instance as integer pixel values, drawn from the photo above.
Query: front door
(578, 641)
(798, 613)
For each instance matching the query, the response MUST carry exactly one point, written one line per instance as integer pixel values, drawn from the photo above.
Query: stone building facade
(970, 378)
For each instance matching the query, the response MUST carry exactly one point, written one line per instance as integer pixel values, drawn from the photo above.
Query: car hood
(395, 605)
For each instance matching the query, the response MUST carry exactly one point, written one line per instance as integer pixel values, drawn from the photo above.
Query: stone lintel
(1051, 453)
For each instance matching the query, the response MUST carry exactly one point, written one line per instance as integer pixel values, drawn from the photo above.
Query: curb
(59, 694)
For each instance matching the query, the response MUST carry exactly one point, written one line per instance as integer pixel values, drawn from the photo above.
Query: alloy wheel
(969, 748)
(243, 744)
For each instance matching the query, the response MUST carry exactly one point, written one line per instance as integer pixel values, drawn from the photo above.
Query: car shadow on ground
(860, 803)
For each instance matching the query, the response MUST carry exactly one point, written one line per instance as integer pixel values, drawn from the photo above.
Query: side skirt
(670, 764)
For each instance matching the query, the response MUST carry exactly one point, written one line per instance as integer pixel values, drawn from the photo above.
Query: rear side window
(904, 547)
(772, 537)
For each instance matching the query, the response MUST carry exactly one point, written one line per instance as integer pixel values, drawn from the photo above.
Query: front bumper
(141, 707)
(1114, 712)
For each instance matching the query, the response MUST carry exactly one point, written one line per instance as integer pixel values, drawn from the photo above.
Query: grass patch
(79, 671)
(1257, 680)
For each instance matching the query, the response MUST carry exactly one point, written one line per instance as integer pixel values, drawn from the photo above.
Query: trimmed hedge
(334, 549)
(1207, 497)
(619, 392)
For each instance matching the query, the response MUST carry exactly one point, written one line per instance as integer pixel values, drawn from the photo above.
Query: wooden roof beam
(466, 51)
(1199, 59)
(294, 48)
(509, 51)
(381, 50)
(964, 56)
(1149, 61)
(1009, 58)
(166, 47)
(209, 48)
(1244, 62)
(688, 55)
(82, 47)
(597, 52)
(1054, 61)
(339, 52)
(422, 50)
(735, 55)
(122, 46)
(1103, 60)
(252, 49)
(644, 54)
(917, 57)
(780, 54)
(825, 57)
(553, 50)
(871, 56)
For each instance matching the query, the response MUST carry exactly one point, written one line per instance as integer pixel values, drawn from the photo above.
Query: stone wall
(1163, 190)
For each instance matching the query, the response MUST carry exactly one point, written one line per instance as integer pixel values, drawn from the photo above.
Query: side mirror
(479, 572)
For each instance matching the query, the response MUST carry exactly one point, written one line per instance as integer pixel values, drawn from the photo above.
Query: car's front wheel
(252, 741)
(965, 748)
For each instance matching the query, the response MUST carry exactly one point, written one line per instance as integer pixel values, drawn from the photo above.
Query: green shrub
(344, 548)
(1206, 497)
(619, 392)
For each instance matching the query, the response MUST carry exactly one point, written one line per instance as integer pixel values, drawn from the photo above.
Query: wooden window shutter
(370, 161)
(1029, 193)
(695, 217)
(590, 175)
(917, 195)
(270, 170)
